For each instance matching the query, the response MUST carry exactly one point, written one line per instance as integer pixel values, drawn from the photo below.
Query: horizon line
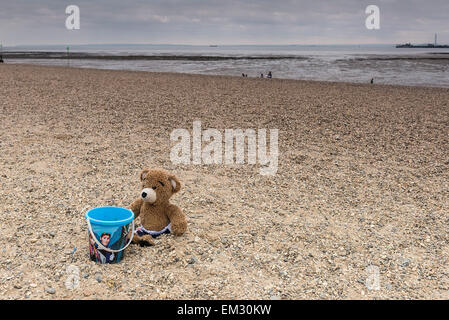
(198, 45)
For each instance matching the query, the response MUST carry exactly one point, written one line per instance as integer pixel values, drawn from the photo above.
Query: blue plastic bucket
(108, 232)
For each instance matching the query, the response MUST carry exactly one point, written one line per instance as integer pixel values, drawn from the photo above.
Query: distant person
(261, 75)
(269, 76)
(372, 80)
(1, 59)
(243, 75)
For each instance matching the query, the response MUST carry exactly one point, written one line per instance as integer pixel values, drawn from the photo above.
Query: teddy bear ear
(176, 185)
(143, 174)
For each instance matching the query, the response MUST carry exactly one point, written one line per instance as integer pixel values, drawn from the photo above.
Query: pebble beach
(358, 207)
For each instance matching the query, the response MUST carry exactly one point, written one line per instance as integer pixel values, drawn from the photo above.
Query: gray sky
(222, 22)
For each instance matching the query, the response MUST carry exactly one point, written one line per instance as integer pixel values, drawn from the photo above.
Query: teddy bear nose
(148, 195)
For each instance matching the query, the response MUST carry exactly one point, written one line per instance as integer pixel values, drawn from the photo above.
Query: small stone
(388, 286)
(86, 275)
(275, 298)
(192, 260)
(87, 292)
(17, 286)
(50, 290)
(405, 262)
(98, 278)
(342, 251)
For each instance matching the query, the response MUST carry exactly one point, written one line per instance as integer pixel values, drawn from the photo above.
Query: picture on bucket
(109, 228)
(101, 255)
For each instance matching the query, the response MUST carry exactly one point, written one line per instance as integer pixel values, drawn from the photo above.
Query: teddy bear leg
(178, 220)
(143, 241)
(179, 227)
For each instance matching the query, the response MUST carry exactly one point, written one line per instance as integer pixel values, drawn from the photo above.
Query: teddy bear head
(158, 186)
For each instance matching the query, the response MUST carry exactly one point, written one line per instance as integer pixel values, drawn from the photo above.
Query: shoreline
(228, 76)
(78, 55)
(167, 57)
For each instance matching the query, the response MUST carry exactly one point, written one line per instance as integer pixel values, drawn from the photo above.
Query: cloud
(223, 22)
(163, 19)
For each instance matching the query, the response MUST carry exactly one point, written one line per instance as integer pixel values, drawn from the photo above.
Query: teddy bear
(157, 214)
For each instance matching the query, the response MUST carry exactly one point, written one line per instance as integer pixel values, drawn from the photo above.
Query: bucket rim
(110, 223)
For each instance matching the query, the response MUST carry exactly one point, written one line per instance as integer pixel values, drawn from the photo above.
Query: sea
(385, 64)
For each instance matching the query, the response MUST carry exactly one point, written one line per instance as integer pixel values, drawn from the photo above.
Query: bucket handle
(101, 246)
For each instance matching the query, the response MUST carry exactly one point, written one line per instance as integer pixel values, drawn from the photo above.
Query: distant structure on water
(429, 45)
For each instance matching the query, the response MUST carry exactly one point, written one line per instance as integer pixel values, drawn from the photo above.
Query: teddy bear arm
(177, 220)
(135, 207)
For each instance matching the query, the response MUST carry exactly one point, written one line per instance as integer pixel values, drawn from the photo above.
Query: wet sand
(361, 187)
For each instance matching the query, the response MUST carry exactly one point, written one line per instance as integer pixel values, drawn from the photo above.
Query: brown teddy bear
(156, 213)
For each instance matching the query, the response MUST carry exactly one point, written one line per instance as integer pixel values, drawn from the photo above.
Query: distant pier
(429, 45)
